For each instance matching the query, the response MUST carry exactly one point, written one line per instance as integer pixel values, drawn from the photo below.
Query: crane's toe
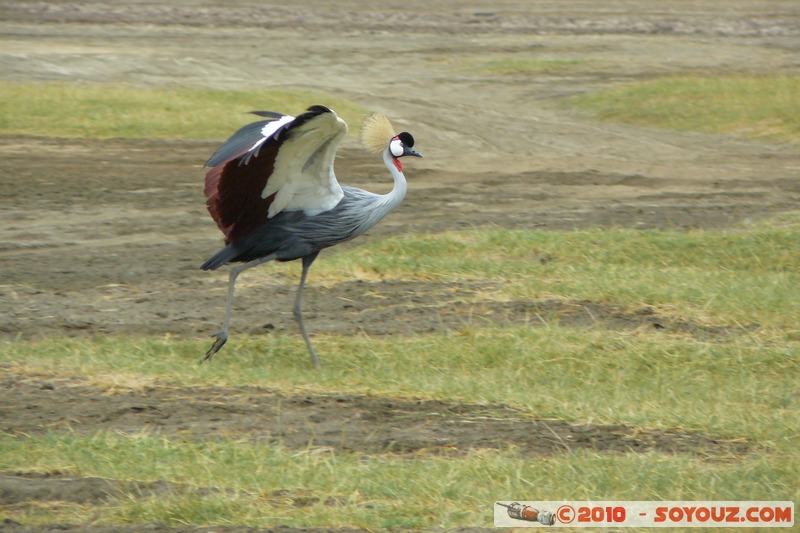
(221, 339)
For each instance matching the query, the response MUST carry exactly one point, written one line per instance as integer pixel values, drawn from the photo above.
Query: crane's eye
(396, 147)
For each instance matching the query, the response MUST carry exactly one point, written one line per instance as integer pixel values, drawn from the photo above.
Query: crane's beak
(411, 151)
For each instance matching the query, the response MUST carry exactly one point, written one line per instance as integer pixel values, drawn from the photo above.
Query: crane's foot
(221, 339)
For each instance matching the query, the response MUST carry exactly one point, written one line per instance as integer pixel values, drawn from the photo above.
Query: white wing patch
(303, 175)
(269, 130)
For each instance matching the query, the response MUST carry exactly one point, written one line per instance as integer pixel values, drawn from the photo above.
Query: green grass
(61, 109)
(721, 277)
(745, 386)
(263, 485)
(738, 385)
(763, 107)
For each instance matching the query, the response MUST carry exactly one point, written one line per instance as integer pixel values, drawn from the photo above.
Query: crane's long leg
(298, 309)
(222, 336)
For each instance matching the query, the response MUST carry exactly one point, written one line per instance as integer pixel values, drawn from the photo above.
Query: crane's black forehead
(406, 139)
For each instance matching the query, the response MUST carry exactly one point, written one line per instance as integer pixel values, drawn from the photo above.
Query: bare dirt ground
(105, 237)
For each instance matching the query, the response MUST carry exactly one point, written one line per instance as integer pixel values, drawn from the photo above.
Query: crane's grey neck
(393, 198)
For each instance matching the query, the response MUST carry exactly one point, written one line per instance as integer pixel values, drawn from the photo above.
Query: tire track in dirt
(375, 308)
(416, 16)
(342, 422)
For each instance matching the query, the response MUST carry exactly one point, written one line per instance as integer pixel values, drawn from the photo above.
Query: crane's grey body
(295, 234)
(291, 233)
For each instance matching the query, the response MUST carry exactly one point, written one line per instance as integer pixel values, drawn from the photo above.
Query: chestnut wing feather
(233, 193)
(238, 175)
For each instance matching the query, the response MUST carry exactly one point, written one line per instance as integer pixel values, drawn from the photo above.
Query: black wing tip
(313, 110)
(319, 109)
(311, 113)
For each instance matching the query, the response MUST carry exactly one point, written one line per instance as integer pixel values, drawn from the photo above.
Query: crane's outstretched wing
(279, 164)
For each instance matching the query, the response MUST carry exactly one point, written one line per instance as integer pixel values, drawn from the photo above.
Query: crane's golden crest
(376, 133)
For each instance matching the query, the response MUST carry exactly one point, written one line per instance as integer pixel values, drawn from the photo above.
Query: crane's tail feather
(220, 258)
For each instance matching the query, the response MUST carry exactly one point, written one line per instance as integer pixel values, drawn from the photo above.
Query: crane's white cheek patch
(396, 147)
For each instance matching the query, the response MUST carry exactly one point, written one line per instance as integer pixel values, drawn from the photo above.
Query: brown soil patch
(105, 237)
(359, 424)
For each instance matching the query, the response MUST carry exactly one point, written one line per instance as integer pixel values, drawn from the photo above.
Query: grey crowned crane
(273, 193)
